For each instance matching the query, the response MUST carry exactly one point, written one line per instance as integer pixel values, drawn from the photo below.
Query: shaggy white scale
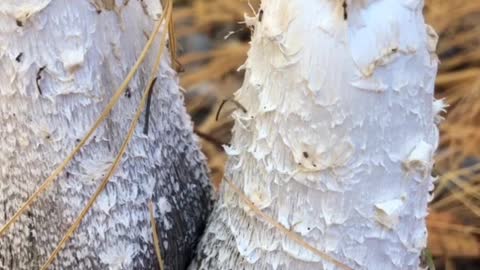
(337, 141)
(60, 62)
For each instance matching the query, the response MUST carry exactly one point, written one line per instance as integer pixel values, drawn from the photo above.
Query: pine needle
(172, 42)
(455, 227)
(468, 189)
(156, 241)
(447, 177)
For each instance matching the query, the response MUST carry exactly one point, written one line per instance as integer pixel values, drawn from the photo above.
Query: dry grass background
(210, 76)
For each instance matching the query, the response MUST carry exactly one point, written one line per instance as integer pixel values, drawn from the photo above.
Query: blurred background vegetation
(210, 63)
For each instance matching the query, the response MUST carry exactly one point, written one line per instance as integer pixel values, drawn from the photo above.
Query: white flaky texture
(337, 142)
(60, 62)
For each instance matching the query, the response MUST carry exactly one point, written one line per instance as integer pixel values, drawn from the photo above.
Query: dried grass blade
(156, 241)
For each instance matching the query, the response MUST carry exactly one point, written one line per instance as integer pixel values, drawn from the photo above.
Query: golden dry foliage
(455, 220)
(211, 77)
